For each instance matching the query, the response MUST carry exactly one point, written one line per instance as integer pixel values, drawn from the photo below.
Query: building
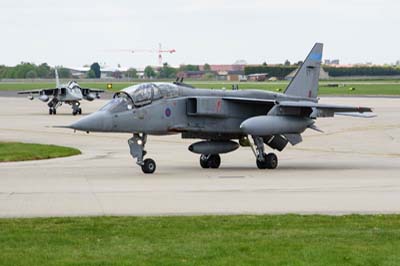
(236, 75)
(333, 62)
(220, 68)
(200, 74)
(257, 77)
(106, 72)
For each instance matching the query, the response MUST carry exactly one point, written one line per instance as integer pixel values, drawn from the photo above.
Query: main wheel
(54, 111)
(271, 161)
(74, 112)
(214, 161)
(149, 166)
(204, 161)
(50, 111)
(262, 164)
(80, 111)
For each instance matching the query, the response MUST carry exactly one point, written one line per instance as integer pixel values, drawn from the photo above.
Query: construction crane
(158, 51)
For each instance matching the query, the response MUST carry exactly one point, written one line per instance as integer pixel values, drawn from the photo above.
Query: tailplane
(305, 82)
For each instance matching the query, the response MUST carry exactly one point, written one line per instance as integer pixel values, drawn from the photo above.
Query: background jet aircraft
(70, 93)
(222, 119)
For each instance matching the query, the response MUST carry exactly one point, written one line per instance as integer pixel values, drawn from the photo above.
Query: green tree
(91, 74)
(189, 68)
(167, 72)
(149, 72)
(96, 69)
(8, 72)
(3, 71)
(287, 63)
(31, 74)
(207, 67)
(273, 71)
(22, 69)
(64, 73)
(209, 76)
(132, 73)
(265, 64)
(43, 71)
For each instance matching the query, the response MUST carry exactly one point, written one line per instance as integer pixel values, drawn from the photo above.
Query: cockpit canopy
(145, 93)
(72, 84)
(140, 95)
(74, 88)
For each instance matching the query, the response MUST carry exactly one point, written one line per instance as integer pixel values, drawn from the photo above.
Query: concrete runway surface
(353, 168)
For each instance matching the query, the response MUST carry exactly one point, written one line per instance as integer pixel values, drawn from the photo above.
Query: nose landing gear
(53, 105)
(136, 146)
(76, 108)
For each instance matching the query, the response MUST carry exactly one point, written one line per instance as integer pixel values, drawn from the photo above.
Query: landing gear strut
(53, 105)
(264, 161)
(136, 146)
(210, 161)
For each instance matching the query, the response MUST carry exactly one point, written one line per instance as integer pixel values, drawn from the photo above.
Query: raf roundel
(168, 112)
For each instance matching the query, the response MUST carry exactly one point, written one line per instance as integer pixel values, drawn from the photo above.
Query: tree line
(31, 71)
(166, 71)
(283, 70)
(362, 71)
(273, 71)
(26, 70)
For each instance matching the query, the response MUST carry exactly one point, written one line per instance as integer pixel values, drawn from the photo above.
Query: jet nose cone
(98, 121)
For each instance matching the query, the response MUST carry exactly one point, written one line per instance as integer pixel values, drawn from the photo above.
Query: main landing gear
(52, 111)
(53, 105)
(136, 146)
(263, 160)
(210, 161)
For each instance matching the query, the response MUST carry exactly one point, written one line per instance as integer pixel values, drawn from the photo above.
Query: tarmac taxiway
(353, 168)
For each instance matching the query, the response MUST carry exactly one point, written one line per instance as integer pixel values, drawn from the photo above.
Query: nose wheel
(136, 146)
(210, 161)
(77, 112)
(76, 109)
(149, 166)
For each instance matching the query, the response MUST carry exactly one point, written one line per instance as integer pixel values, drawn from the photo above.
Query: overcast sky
(77, 32)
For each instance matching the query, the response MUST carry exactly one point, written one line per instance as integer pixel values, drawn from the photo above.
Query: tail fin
(57, 79)
(305, 82)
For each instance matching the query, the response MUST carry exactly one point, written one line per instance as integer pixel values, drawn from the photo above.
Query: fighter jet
(70, 93)
(223, 120)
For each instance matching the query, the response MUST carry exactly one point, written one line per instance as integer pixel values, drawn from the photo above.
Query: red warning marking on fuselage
(219, 106)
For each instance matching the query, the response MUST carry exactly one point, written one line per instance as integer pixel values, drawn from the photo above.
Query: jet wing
(48, 92)
(328, 110)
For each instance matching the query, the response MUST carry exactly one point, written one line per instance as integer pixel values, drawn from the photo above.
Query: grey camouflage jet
(223, 120)
(70, 93)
